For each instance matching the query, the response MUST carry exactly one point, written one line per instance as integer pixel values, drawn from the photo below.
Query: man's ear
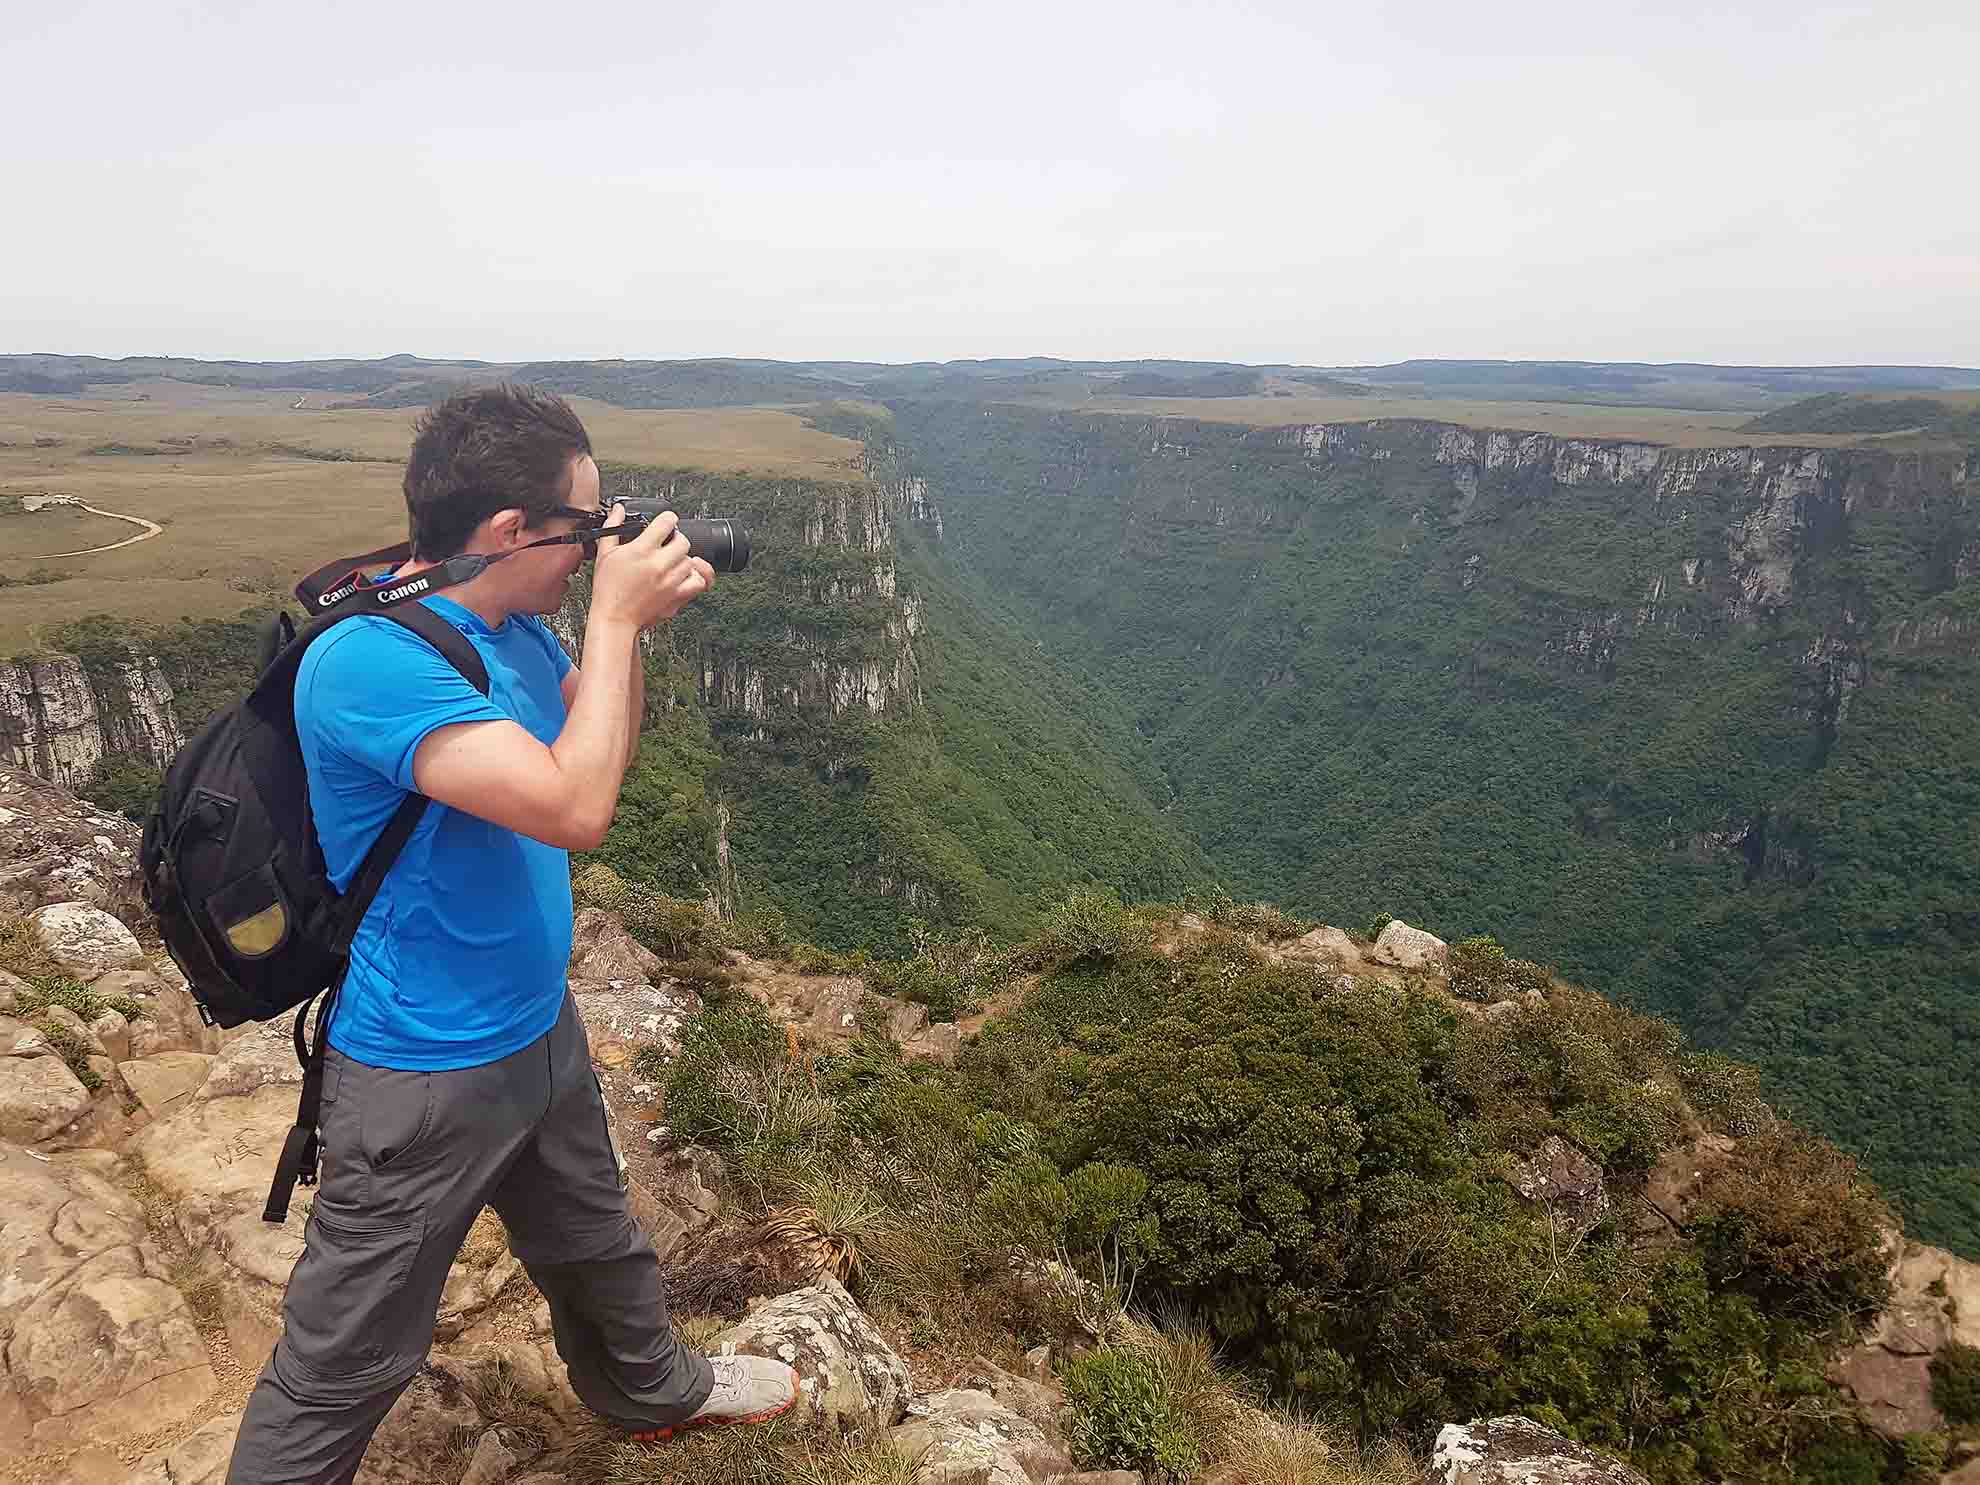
(505, 527)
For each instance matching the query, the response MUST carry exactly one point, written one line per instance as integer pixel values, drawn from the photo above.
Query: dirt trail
(151, 529)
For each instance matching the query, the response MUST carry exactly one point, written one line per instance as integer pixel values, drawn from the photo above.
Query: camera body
(719, 541)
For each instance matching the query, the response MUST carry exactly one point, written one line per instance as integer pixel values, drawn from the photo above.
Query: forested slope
(1698, 726)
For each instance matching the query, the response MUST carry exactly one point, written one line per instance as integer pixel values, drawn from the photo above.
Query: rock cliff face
(60, 719)
(828, 628)
(1743, 524)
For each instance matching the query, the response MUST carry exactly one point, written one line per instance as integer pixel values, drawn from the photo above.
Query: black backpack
(232, 869)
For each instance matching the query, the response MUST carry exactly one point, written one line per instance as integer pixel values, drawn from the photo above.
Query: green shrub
(129, 788)
(761, 931)
(1792, 1222)
(1260, 919)
(953, 974)
(1725, 1093)
(1122, 1418)
(46, 990)
(1087, 924)
(1922, 1456)
(1375, 925)
(671, 927)
(73, 1050)
(726, 1055)
(1477, 967)
(1956, 1382)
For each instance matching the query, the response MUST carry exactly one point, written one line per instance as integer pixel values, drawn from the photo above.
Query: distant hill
(1668, 384)
(1955, 416)
(405, 380)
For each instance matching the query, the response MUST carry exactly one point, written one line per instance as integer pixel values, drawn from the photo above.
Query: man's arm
(635, 717)
(564, 794)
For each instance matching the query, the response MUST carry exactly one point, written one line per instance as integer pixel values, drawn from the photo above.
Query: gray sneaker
(748, 1389)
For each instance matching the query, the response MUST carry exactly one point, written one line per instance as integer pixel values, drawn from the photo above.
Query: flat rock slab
(1518, 1451)
(848, 1374)
(100, 1346)
(165, 1081)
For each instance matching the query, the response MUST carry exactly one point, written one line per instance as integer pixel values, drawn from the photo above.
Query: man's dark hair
(479, 452)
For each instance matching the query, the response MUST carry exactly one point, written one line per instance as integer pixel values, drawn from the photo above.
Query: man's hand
(649, 579)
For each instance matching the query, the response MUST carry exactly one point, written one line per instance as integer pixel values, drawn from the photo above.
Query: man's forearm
(592, 750)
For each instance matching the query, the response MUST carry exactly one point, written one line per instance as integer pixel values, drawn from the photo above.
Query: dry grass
(246, 510)
(1679, 427)
(780, 1453)
(1287, 1451)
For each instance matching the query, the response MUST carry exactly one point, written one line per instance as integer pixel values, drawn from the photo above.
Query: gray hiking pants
(409, 1161)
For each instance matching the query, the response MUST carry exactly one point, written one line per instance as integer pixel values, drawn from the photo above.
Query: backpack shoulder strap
(300, 1151)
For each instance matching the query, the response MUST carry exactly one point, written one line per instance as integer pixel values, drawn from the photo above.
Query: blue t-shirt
(462, 956)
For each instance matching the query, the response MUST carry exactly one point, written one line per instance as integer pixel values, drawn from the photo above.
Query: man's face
(548, 574)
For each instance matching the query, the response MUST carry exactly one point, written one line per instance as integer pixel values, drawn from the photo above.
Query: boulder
(601, 949)
(622, 1016)
(200, 1458)
(939, 1041)
(262, 1055)
(1035, 1400)
(1518, 1451)
(966, 1437)
(849, 1375)
(85, 940)
(13, 989)
(1935, 1300)
(1410, 948)
(1565, 1182)
(39, 1097)
(1663, 1210)
(1893, 1393)
(18, 1039)
(165, 1081)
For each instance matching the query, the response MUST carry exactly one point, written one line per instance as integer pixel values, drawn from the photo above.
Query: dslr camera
(721, 542)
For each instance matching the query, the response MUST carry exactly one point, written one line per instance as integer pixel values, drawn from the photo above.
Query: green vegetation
(1956, 1383)
(985, 783)
(1366, 687)
(1310, 1185)
(1122, 1418)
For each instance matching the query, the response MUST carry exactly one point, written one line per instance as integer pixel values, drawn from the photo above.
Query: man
(457, 1073)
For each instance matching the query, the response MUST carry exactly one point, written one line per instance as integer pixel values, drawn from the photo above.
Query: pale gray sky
(1282, 180)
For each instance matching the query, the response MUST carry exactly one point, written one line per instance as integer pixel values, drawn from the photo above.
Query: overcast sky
(1734, 181)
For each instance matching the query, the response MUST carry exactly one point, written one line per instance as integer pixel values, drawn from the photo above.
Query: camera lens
(718, 541)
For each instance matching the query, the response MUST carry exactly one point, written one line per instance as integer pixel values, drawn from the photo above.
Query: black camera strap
(346, 581)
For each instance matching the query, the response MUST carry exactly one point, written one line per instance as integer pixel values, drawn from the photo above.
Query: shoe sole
(674, 1430)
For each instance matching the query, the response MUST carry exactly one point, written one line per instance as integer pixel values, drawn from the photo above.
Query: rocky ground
(140, 1288)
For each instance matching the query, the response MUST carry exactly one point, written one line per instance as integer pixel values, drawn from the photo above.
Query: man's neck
(478, 595)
